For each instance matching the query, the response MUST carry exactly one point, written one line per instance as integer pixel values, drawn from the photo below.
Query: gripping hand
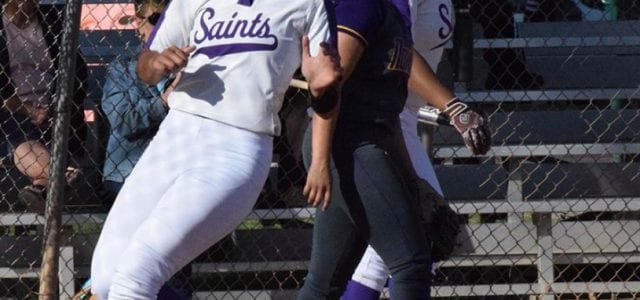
(470, 124)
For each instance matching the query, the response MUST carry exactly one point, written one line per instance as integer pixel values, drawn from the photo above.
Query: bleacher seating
(548, 169)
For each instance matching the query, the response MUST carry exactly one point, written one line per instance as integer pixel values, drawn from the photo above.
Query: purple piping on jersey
(152, 36)
(355, 34)
(213, 51)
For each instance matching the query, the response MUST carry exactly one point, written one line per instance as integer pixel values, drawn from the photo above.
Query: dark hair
(155, 6)
(153, 3)
(153, 18)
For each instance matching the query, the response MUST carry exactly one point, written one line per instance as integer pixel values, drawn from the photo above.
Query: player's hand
(471, 125)
(153, 66)
(321, 71)
(172, 59)
(317, 189)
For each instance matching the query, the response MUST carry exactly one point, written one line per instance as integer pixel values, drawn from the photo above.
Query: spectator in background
(133, 109)
(507, 66)
(29, 48)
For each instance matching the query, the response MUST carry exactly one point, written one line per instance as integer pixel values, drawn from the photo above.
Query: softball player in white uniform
(432, 26)
(203, 171)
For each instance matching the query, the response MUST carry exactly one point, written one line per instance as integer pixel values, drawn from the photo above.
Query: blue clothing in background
(134, 111)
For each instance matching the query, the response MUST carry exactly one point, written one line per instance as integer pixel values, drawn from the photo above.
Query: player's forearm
(322, 139)
(147, 73)
(424, 82)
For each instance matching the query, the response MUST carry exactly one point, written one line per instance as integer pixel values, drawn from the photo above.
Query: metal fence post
(55, 190)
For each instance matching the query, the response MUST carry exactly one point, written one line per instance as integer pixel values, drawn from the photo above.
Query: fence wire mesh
(551, 211)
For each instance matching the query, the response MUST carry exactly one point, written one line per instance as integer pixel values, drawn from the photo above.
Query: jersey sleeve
(404, 9)
(359, 18)
(321, 25)
(173, 27)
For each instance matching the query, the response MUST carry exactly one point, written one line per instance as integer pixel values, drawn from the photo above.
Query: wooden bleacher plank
(571, 56)
(556, 42)
(468, 182)
(517, 289)
(22, 219)
(246, 295)
(17, 273)
(603, 29)
(548, 150)
(540, 181)
(480, 246)
(578, 70)
(584, 180)
(580, 288)
(485, 290)
(582, 94)
(597, 258)
(555, 205)
(497, 239)
(603, 237)
(260, 266)
(547, 187)
(616, 287)
(588, 132)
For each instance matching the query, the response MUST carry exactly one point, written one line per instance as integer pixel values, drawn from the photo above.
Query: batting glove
(470, 124)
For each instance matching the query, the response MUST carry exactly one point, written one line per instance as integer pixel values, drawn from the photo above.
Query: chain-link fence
(551, 210)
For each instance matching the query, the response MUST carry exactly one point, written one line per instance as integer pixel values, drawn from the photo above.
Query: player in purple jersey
(432, 23)
(370, 202)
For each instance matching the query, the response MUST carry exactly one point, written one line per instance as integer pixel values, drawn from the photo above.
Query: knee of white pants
(126, 287)
(141, 274)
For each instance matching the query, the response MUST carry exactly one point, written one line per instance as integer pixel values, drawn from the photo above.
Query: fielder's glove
(470, 124)
(441, 223)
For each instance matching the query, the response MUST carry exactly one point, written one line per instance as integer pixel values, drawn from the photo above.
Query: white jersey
(432, 27)
(246, 53)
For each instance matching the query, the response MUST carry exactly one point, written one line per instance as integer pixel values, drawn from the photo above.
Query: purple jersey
(404, 9)
(377, 88)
